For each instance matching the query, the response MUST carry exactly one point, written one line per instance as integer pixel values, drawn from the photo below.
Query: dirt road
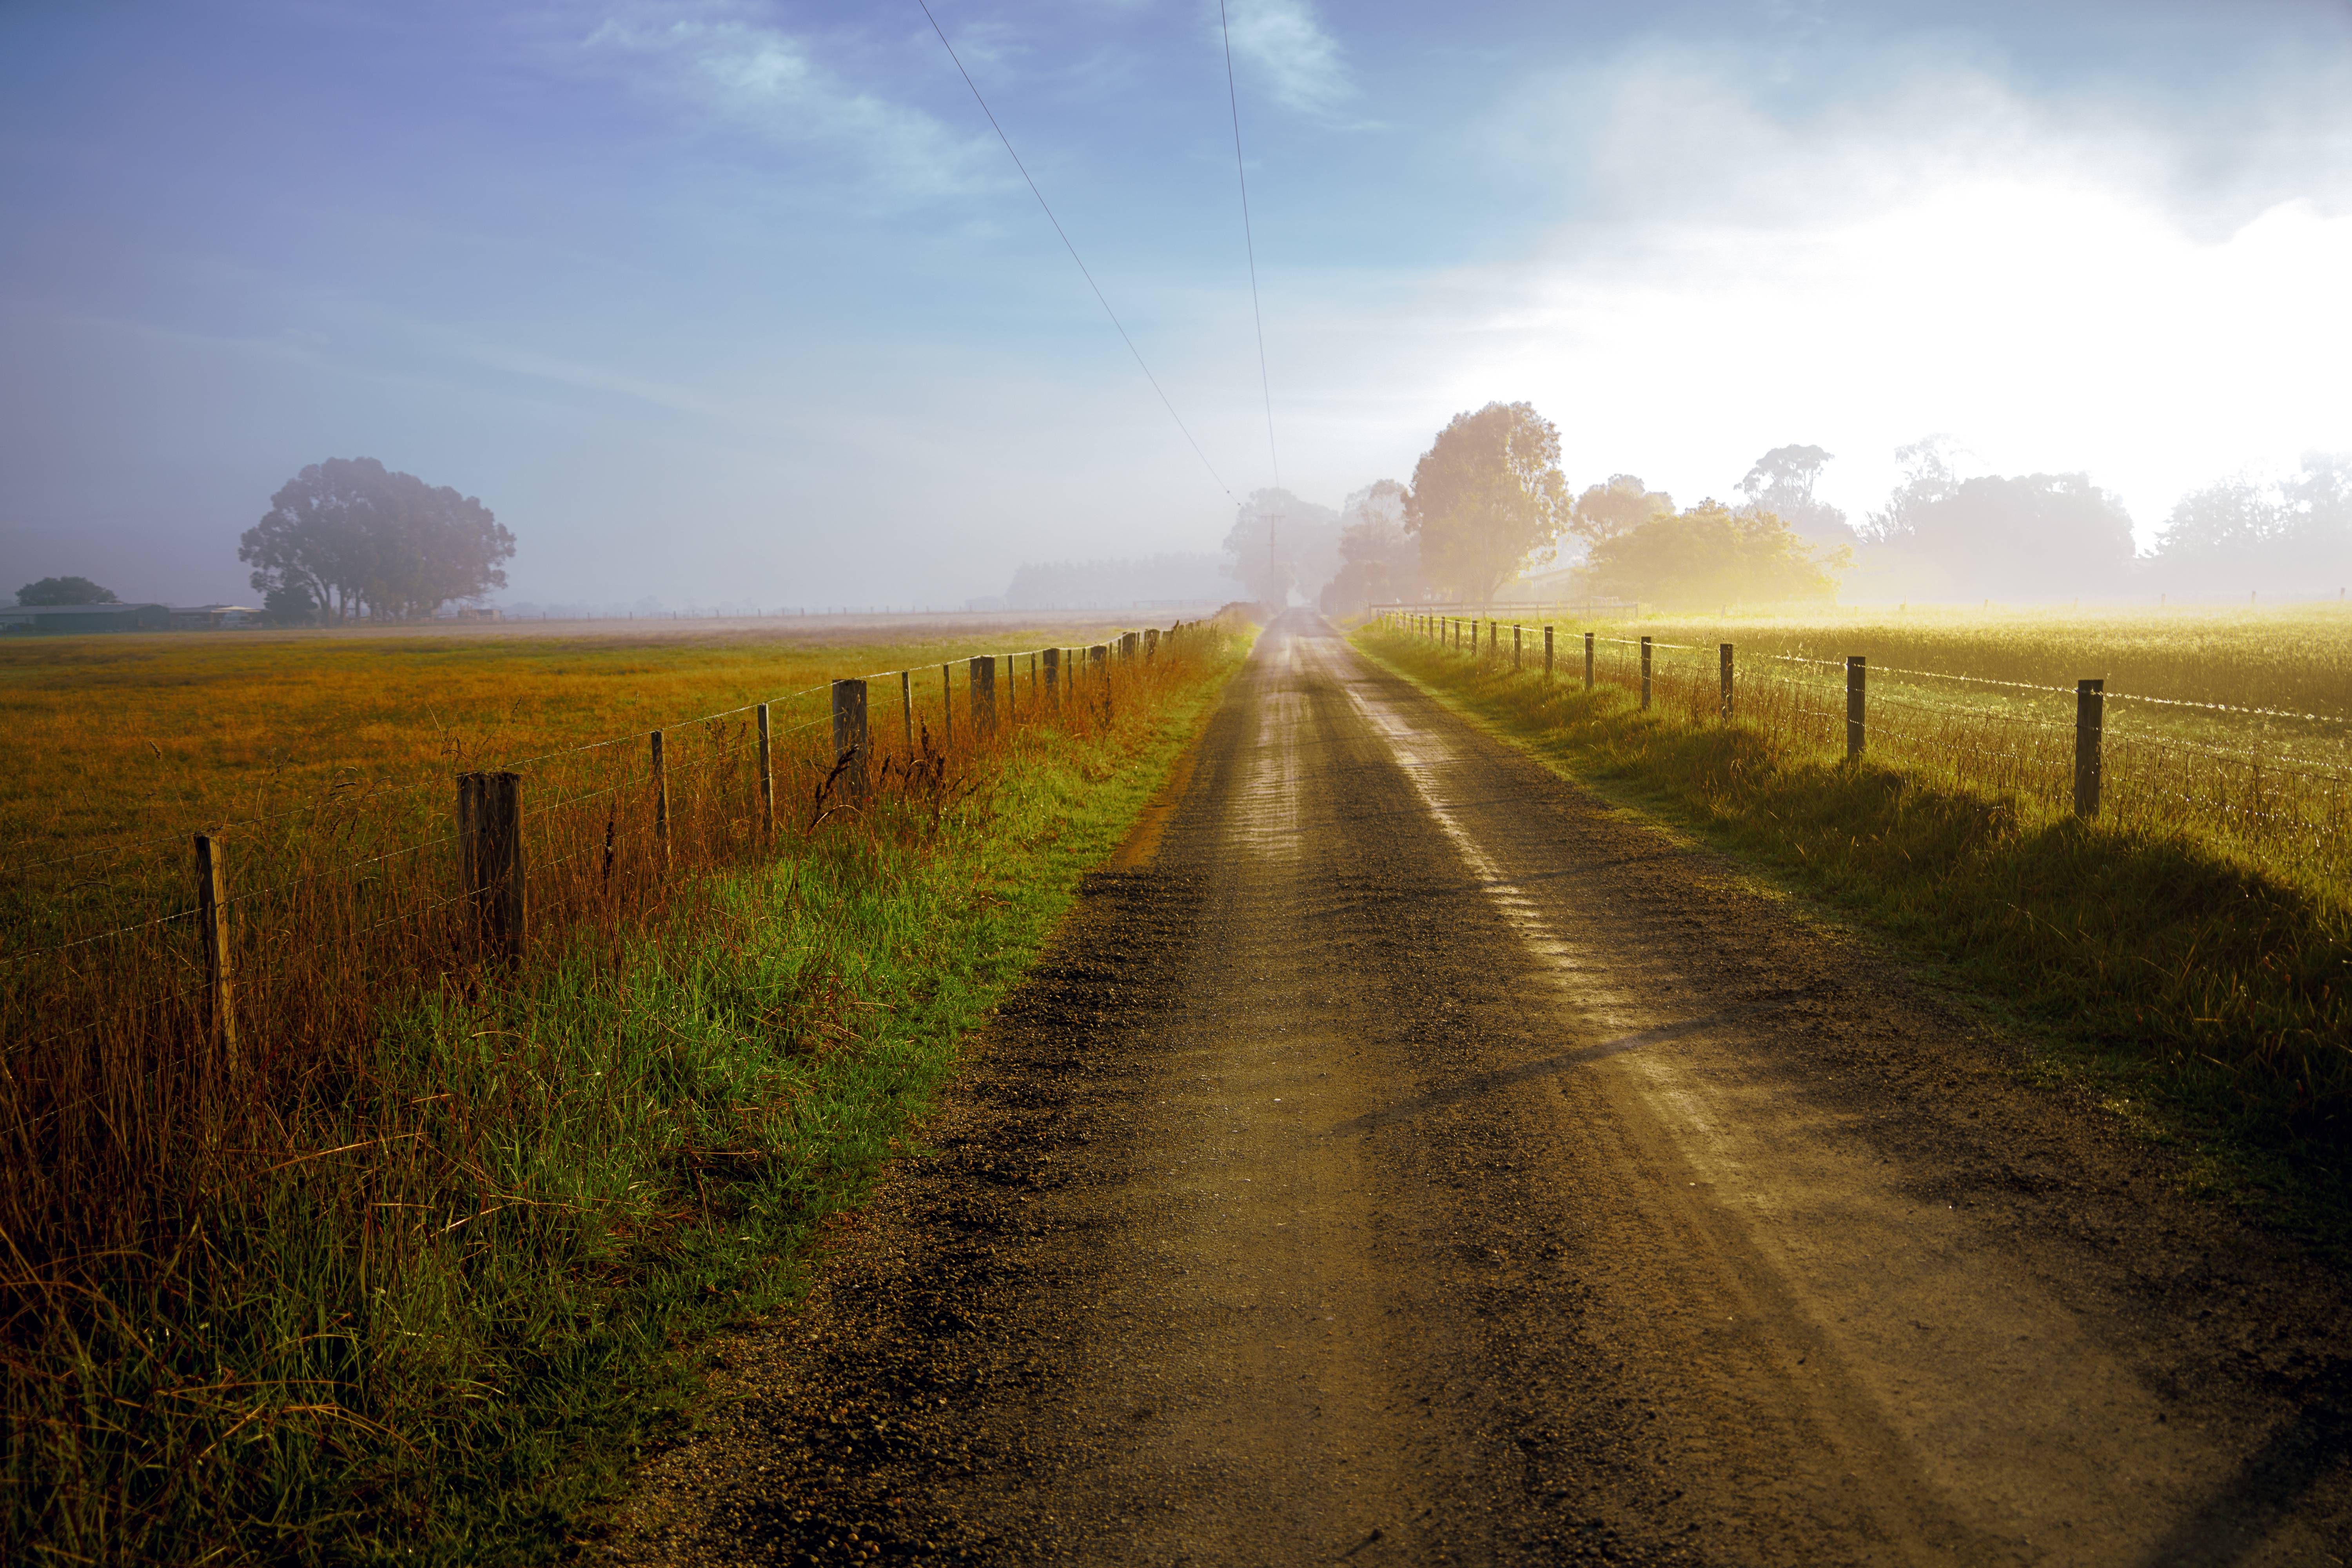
(1406, 1158)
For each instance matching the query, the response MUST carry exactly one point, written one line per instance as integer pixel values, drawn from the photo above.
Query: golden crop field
(2234, 724)
(121, 739)
(324, 769)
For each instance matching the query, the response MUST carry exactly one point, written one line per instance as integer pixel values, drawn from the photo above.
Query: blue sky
(721, 301)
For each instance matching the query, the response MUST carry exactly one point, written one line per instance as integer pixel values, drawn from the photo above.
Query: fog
(719, 303)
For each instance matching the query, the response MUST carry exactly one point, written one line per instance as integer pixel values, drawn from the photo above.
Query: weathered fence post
(654, 763)
(490, 819)
(907, 706)
(1053, 657)
(849, 736)
(1588, 661)
(1723, 651)
(1514, 646)
(1493, 639)
(1012, 684)
(1150, 644)
(767, 780)
(1547, 652)
(1856, 670)
(212, 929)
(981, 679)
(1127, 645)
(2090, 702)
(1645, 675)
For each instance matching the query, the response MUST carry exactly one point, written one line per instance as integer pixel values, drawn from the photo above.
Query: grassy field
(2202, 968)
(412, 1275)
(121, 739)
(2236, 725)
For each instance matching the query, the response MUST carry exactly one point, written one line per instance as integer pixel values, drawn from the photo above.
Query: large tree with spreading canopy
(1487, 497)
(359, 540)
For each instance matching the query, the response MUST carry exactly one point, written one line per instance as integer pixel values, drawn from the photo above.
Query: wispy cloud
(721, 59)
(1285, 42)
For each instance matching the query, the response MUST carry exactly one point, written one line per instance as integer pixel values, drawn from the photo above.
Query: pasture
(405, 1255)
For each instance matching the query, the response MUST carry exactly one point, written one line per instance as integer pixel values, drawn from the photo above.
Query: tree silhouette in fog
(1279, 543)
(1621, 506)
(1380, 561)
(2293, 536)
(1781, 482)
(65, 590)
(358, 539)
(2025, 536)
(1710, 556)
(1486, 497)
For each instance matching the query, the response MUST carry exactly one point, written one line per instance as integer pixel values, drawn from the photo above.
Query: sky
(721, 302)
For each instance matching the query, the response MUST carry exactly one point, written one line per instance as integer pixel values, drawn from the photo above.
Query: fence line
(595, 845)
(2275, 798)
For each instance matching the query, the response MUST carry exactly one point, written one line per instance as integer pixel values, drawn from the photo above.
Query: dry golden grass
(2235, 725)
(120, 738)
(246, 1279)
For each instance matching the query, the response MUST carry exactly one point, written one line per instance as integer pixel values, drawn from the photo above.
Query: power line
(1249, 242)
(1073, 249)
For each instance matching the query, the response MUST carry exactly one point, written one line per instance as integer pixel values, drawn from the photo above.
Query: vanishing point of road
(1406, 1157)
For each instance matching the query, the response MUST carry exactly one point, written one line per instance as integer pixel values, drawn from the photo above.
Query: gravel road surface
(1404, 1157)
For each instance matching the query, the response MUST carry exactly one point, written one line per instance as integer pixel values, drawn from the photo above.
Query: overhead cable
(1073, 249)
(1249, 243)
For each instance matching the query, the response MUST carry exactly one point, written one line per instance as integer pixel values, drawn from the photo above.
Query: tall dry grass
(188, 1221)
(2236, 727)
(2197, 935)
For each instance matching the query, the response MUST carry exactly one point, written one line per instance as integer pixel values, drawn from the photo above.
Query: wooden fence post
(212, 929)
(849, 736)
(1645, 675)
(1855, 670)
(767, 779)
(1588, 661)
(1150, 644)
(1011, 683)
(1493, 639)
(1053, 657)
(1547, 652)
(1724, 652)
(1096, 658)
(981, 679)
(1127, 647)
(489, 816)
(661, 799)
(1514, 646)
(2090, 703)
(907, 706)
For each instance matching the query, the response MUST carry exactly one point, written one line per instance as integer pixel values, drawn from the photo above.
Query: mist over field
(744, 305)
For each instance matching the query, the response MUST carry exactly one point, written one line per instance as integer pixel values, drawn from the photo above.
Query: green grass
(593, 1173)
(2172, 974)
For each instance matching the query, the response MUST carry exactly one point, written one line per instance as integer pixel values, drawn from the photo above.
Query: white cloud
(1286, 41)
(722, 59)
(2061, 286)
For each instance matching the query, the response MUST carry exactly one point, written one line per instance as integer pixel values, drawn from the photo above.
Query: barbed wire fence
(132, 990)
(2087, 750)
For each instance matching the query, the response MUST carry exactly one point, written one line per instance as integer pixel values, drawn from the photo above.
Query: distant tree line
(1488, 506)
(348, 538)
